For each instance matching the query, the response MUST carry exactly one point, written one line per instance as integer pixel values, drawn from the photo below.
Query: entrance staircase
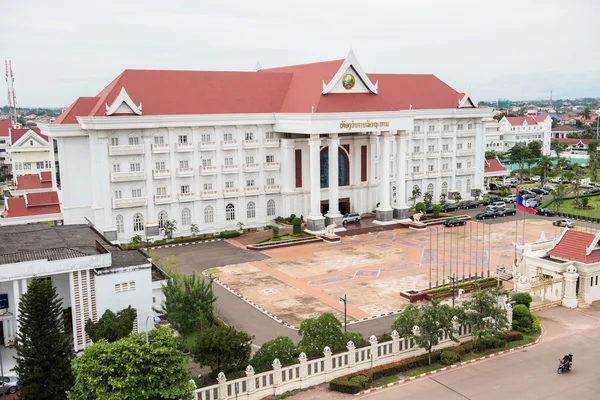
(581, 303)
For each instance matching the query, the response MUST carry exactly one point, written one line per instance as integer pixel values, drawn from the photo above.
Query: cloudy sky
(65, 49)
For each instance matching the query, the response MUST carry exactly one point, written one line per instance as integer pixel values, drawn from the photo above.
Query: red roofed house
(494, 168)
(575, 145)
(30, 151)
(523, 130)
(31, 208)
(215, 148)
(566, 268)
(40, 182)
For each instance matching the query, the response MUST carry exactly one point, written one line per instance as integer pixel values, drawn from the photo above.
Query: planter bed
(467, 289)
(413, 295)
(283, 243)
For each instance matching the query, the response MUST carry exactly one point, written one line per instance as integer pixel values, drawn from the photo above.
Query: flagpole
(470, 246)
(476, 248)
(444, 263)
(437, 247)
(489, 248)
(464, 249)
(430, 255)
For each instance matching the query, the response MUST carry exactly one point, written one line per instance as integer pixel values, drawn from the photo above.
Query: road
(529, 374)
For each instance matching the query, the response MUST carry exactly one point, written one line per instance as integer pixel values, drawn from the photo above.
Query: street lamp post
(156, 319)
(345, 302)
(453, 279)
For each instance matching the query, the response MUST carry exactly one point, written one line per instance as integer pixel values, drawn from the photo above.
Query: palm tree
(558, 148)
(416, 193)
(545, 163)
(169, 227)
(585, 113)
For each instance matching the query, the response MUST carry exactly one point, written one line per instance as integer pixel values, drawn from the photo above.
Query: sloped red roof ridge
(290, 89)
(493, 165)
(16, 134)
(33, 181)
(573, 246)
(17, 207)
(5, 126)
(572, 140)
(518, 121)
(41, 199)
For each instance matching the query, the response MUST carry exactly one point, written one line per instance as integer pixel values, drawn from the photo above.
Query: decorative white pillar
(384, 211)
(400, 208)
(333, 216)
(570, 296)
(152, 224)
(16, 301)
(315, 221)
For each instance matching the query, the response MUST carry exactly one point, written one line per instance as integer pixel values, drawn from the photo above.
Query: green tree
(578, 172)
(457, 197)
(535, 149)
(44, 347)
(111, 327)
(320, 332)
(131, 369)
(519, 155)
(482, 313)
(477, 194)
(406, 321)
(222, 348)
(594, 157)
(281, 348)
(188, 302)
(420, 207)
(586, 113)
(436, 210)
(137, 239)
(491, 154)
(428, 199)
(194, 230)
(443, 197)
(297, 226)
(169, 228)
(558, 194)
(416, 194)
(558, 148)
(545, 164)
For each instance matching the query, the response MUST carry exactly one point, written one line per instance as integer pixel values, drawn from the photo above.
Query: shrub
(420, 207)
(521, 310)
(525, 324)
(449, 357)
(535, 324)
(282, 348)
(522, 298)
(489, 341)
(229, 234)
(291, 218)
(436, 210)
(350, 384)
(275, 233)
(297, 222)
(361, 380)
(513, 336)
(460, 349)
(356, 338)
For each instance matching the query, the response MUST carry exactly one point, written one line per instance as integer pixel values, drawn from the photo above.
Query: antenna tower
(12, 99)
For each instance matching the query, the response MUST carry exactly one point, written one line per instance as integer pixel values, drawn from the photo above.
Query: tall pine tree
(45, 349)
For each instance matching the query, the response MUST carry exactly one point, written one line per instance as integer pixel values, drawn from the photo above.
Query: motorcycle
(563, 366)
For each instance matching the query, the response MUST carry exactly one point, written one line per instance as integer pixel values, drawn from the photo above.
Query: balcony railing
(161, 173)
(130, 202)
(185, 146)
(465, 133)
(126, 150)
(447, 133)
(127, 176)
(433, 133)
(185, 171)
(466, 152)
(252, 190)
(433, 174)
(207, 146)
(229, 144)
(231, 192)
(251, 167)
(250, 143)
(446, 172)
(419, 134)
(162, 199)
(417, 174)
(272, 188)
(208, 194)
(271, 143)
(272, 166)
(418, 155)
(208, 170)
(230, 169)
(160, 148)
(447, 153)
(190, 196)
(432, 154)
(465, 171)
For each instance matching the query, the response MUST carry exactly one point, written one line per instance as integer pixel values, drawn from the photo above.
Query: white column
(151, 218)
(315, 221)
(570, 296)
(480, 129)
(16, 300)
(23, 286)
(373, 195)
(288, 183)
(400, 208)
(384, 211)
(104, 176)
(333, 216)
(73, 307)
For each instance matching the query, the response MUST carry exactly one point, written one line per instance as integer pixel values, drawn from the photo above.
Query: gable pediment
(24, 140)
(350, 78)
(123, 105)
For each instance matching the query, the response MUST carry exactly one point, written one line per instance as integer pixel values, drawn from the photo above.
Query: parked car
(511, 181)
(497, 205)
(556, 180)
(494, 186)
(544, 191)
(452, 222)
(546, 212)
(592, 191)
(486, 215)
(536, 178)
(537, 191)
(429, 210)
(506, 212)
(548, 187)
(528, 196)
(9, 384)
(532, 203)
(511, 198)
(351, 217)
(564, 222)
(490, 200)
(449, 207)
(468, 204)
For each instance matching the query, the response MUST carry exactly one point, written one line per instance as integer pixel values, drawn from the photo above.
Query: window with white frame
(134, 167)
(459, 146)
(205, 138)
(116, 168)
(114, 141)
(417, 128)
(459, 127)
(227, 137)
(430, 189)
(270, 181)
(208, 186)
(445, 188)
(459, 186)
(468, 188)
(249, 136)
(136, 193)
(138, 223)
(431, 147)
(207, 162)
(458, 165)
(270, 208)
(430, 168)
(209, 215)
(47, 164)
(228, 160)
(159, 140)
(416, 168)
(249, 183)
(124, 286)
(160, 166)
(120, 224)
(162, 218)
(249, 160)
(118, 194)
(469, 126)
(251, 210)
(39, 164)
(230, 212)
(431, 128)
(269, 135)
(469, 145)
(416, 149)
(183, 139)
(446, 127)
(468, 164)
(27, 165)
(229, 185)
(134, 140)
(186, 217)
(184, 189)
(270, 158)
(446, 147)
(161, 191)
(184, 164)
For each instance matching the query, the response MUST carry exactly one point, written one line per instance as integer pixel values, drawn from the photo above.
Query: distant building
(493, 136)
(5, 162)
(29, 151)
(493, 168)
(562, 131)
(524, 130)
(575, 145)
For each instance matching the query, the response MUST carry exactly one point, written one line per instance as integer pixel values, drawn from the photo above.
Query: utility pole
(12, 99)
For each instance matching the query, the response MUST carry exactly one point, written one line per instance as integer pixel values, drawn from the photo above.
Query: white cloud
(521, 50)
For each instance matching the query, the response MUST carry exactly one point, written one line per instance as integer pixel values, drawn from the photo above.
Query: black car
(592, 191)
(537, 191)
(468, 204)
(491, 200)
(546, 212)
(429, 210)
(449, 207)
(452, 222)
(486, 215)
(506, 212)
(494, 186)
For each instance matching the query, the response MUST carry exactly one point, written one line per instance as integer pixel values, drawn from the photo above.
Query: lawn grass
(212, 271)
(385, 380)
(422, 370)
(568, 206)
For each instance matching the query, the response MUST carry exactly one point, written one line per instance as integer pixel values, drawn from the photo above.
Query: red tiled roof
(566, 128)
(46, 176)
(291, 89)
(573, 246)
(572, 141)
(518, 121)
(17, 206)
(493, 165)
(30, 182)
(540, 118)
(5, 126)
(16, 134)
(41, 199)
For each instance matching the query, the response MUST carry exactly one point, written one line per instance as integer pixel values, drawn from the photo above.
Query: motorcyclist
(568, 361)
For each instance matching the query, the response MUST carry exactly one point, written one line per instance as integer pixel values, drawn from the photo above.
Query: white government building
(217, 148)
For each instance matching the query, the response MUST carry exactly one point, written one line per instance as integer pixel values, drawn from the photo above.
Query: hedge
(186, 239)
(463, 285)
(513, 336)
(229, 234)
